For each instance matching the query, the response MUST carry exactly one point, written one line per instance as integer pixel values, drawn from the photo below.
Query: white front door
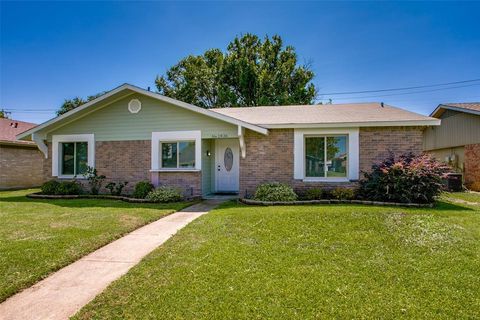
(227, 166)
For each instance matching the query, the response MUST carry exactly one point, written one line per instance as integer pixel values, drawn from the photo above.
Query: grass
(473, 197)
(303, 262)
(38, 237)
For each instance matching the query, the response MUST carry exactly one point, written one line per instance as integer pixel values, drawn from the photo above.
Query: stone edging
(87, 196)
(303, 202)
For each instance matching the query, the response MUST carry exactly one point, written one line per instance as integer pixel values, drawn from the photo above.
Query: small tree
(70, 104)
(95, 181)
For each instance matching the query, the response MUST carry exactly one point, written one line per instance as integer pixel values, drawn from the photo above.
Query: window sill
(326, 180)
(71, 177)
(175, 170)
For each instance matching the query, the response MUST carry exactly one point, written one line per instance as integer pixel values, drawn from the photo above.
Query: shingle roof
(10, 128)
(352, 113)
(469, 107)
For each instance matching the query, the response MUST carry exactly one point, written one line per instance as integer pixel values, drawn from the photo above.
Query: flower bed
(91, 196)
(305, 202)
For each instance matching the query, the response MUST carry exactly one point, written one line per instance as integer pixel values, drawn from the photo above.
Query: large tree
(70, 104)
(251, 72)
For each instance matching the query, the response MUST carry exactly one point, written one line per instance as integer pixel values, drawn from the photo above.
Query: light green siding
(207, 166)
(115, 123)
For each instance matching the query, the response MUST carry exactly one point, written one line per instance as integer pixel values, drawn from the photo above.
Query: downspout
(39, 140)
(241, 139)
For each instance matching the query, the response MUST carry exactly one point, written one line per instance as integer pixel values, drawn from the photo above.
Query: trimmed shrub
(274, 191)
(165, 194)
(343, 193)
(50, 187)
(142, 189)
(406, 179)
(69, 188)
(116, 189)
(313, 194)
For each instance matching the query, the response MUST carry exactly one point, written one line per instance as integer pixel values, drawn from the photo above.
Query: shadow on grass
(99, 203)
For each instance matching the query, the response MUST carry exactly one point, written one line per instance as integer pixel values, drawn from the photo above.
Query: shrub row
(142, 190)
(404, 179)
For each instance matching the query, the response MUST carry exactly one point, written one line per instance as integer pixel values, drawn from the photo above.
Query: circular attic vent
(134, 106)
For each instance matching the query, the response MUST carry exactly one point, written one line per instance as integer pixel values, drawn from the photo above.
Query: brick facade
(20, 167)
(472, 166)
(130, 161)
(270, 158)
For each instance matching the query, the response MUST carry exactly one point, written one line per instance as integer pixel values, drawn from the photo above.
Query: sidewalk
(66, 291)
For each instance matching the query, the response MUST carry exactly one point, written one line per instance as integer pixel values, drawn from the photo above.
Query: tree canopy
(70, 104)
(251, 72)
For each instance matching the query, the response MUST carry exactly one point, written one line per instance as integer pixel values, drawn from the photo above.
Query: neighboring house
(130, 134)
(457, 139)
(21, 163)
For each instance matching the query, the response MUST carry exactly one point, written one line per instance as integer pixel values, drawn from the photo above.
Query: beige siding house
(457, 140)
(21, 163)
(131, 134)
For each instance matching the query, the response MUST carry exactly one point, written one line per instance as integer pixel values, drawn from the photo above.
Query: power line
(400, 89)
(403, 93)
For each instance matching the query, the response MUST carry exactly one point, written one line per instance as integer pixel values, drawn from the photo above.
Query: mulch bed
(304, 202)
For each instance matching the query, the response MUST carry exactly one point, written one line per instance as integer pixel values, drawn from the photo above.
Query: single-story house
(21, 163)
(457, 140)
(132, 134)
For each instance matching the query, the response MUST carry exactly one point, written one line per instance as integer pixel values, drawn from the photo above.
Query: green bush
(165, 194)
(274, 191)
(68, 188)
(116, 189)
(343, 193)
(50, 187)
(313, 194)
(142, 189)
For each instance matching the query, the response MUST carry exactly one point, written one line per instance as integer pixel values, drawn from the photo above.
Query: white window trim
(58, 139)
(175, 136)
(299, 153)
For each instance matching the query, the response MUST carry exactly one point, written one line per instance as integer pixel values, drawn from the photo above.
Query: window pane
(315, 157)
(186, 154)
(68, 150)
(169, 155)
(337, 156)
(81, 157)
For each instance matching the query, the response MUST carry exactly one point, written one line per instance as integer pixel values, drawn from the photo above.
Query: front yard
(338, 261)
(38, 237)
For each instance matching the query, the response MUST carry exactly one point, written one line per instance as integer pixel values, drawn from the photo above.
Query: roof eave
(408, 123)
(441, 107)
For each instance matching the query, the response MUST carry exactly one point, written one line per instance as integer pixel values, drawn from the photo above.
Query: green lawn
(303, 262)
(41, 236)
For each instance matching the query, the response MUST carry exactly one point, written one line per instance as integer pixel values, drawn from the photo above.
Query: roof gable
(122, 92)
(466, 107)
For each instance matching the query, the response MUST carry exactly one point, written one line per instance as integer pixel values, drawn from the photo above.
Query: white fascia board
(353, 152)
(70, 113)
(435, 122)
(174, 136)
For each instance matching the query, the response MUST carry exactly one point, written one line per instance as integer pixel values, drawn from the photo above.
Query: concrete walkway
(66, 291)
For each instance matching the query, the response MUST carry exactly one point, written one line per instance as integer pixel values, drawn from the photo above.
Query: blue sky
(52, 51)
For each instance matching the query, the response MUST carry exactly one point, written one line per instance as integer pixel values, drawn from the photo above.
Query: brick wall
(270, 158)
(472, 166)
(376, 143)
(130, 161)
(20, 167)
(189, 182)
